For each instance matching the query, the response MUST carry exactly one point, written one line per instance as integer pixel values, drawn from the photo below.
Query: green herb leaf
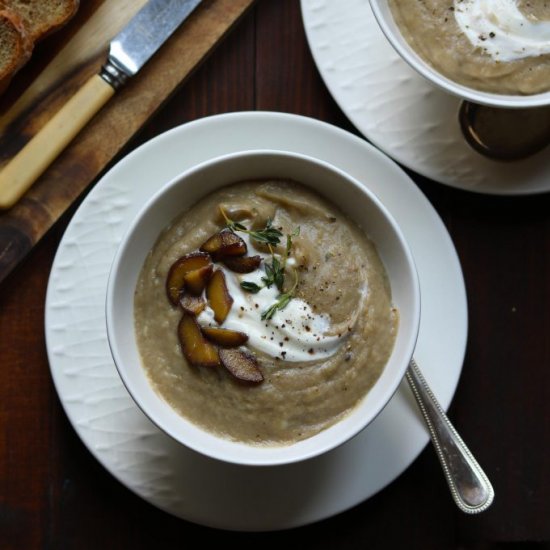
(268, 279)
(278, 273)
(270, 235)
(251, 287)
(284, 299)
(269, 312)
(275, 274)
(281, 303)
(236, 226)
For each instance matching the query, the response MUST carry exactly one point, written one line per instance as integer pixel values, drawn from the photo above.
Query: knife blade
(129, 51)
(146, 32)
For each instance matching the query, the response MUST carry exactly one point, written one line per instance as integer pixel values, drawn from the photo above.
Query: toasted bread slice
(41, 17)
(15, 46)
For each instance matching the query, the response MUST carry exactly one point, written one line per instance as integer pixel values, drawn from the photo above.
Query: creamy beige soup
(340, 279)
(432, 30)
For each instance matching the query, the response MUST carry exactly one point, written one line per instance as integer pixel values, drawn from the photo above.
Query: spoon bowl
(505, 134)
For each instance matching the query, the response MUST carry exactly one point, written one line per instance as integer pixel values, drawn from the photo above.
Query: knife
(138, 41)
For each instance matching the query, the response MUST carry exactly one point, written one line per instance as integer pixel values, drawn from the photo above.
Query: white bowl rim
(258, 455)
(466, 93)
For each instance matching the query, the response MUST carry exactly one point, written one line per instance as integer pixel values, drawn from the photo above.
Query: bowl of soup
(487, 52)
(263, 307)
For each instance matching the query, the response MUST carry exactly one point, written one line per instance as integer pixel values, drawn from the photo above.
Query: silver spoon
(505, 134)
(471, 489)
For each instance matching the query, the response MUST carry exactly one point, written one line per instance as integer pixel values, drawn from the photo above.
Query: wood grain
(80, 58)
(90, 152)
(19, 174)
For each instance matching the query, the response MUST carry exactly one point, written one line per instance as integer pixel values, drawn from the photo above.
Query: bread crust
(39, 28)
(20, 49)
(71, 9)
(28, 31)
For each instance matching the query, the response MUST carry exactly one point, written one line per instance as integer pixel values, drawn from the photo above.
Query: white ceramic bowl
(383, 15)
(353, 199)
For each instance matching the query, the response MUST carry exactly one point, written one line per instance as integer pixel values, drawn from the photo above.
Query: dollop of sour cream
(500, 29)
(295, 333)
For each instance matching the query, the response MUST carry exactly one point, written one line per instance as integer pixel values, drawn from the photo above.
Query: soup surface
(318, 355)
(500, 47)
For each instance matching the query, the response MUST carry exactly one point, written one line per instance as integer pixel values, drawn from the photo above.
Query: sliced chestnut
(218, 296)
(196, 280)
(224, 244)
(175, 281)
(225, 337)
(243, 264)
(241, 364)
(196, 348)
(193, 305)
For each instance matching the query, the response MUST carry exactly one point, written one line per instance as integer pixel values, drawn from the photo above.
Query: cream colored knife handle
(27, 166)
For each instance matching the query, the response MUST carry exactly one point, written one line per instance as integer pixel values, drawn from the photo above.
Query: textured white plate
(152, 465)
(399, 111)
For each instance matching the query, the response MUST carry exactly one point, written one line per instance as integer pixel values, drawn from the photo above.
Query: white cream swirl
(500, 29)
(295, 333)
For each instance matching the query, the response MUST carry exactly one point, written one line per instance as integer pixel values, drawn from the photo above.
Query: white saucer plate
(399, 111)
(151, 464)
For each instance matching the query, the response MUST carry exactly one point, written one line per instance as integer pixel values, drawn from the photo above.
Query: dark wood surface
(54, 494)
(54, 75)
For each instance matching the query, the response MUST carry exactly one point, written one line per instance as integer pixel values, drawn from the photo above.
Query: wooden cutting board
(59, 66)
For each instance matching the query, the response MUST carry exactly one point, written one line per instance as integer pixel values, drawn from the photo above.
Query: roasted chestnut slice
(196, 348)
(243, 264)
(224, 337)
(218, 296)
(241, 364)
(224, 244)
(196, 280)
(175, 281)
(193, 305)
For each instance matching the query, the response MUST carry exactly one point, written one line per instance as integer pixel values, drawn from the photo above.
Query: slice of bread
(41, 17)
(24, 22)
(15, 46)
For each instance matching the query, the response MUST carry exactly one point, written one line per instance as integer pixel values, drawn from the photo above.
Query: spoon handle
(471, 489)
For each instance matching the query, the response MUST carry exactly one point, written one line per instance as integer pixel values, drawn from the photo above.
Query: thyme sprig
(282, 301)
(269, 234)
(251, 287)
(274, 271)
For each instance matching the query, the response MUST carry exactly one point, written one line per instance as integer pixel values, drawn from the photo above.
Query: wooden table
(54, 494)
